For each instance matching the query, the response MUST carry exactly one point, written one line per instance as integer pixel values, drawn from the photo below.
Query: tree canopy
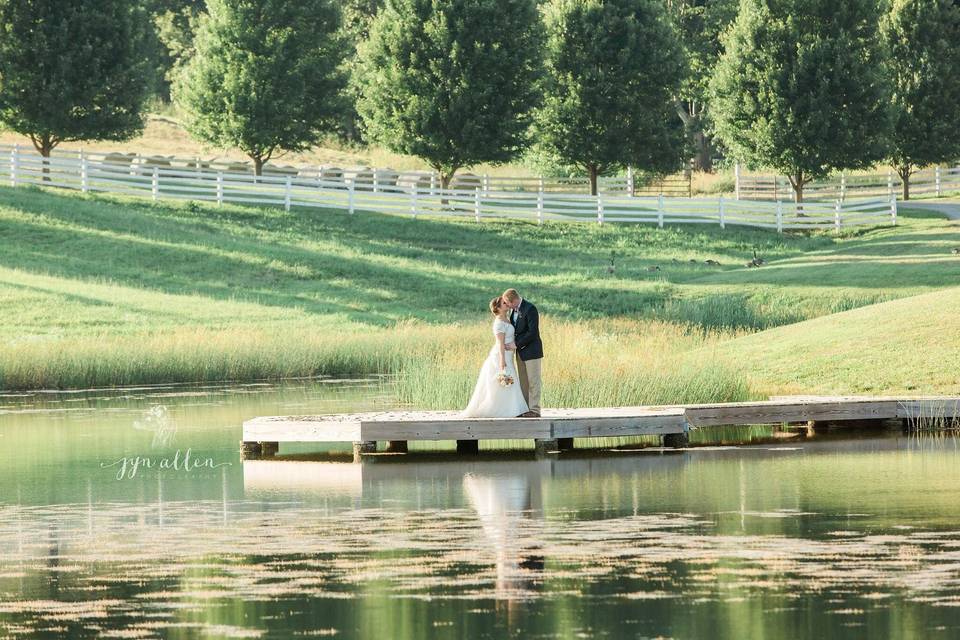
(801, 87)
(451, 81)
(265, 76)
(613, 70)
(923, 57)
(72, 70)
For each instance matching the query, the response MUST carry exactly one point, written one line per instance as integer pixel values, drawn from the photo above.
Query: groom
(526, 321)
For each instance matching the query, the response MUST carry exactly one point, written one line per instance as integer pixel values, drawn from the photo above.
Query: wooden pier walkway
(556, 429)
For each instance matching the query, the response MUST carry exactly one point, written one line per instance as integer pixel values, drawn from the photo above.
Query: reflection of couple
(509, 508)
(516, 328)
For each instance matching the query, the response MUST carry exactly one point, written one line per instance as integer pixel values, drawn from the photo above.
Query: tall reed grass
(588, 363)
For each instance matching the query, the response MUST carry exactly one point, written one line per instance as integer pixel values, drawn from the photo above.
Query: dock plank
(564, 424)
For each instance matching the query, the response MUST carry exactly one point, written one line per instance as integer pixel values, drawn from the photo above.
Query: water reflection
(834, 538)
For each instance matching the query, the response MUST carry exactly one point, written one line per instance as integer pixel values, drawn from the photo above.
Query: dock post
(468, 446)
(257, 450)
(250, 450)
(544, 447)
(269, 449)
(565, 444)
(397, 446)
(360, 448)
(676, 440)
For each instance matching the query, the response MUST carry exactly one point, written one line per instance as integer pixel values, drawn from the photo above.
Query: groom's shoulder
(529, 305)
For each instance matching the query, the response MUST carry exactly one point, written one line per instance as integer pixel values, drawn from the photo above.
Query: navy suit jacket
(527, 325)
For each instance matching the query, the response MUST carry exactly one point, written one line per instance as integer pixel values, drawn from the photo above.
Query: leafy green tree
(801, 87)
(265, 76)
(72, 70)
(613, 70)
(358, 16)
(923, 45)
(701, 23)
(175, 29)
(451, 81)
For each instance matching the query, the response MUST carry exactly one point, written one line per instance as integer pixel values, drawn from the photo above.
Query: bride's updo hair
(495, 305)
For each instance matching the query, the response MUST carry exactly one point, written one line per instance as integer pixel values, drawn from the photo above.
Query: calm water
(827, 539)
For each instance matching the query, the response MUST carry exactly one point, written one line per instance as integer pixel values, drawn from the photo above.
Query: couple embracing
(509, 382)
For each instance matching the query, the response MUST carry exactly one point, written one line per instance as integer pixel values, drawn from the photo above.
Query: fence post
(736, 180)
(433, 184)
(937, 174)
(660, 211)
(155, 183)
(843, 186)
(599, 209)
(376, 180)
(836, 215)
(893, 210)
(14, 164)
(889, 183)
(540, 203)
(476, 203)
(630, 182)
(779, 217)
(723, 222)
(83, 172)
(350, 197)
(219, 188)
(286, 195)
(413, 201)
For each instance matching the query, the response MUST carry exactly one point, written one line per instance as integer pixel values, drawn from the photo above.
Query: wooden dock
(556, 429)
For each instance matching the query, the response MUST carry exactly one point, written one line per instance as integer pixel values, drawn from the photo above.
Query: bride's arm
(503, 357)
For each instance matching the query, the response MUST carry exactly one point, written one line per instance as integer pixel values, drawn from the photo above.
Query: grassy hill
(104, 290)
(909, 345)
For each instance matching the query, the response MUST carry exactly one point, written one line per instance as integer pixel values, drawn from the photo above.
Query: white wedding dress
(490, 400)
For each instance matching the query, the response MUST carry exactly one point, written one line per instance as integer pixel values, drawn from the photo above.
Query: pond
(828, 538)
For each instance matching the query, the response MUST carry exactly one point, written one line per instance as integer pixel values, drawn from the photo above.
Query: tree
(613, 71)
(175, 28)
(72, 70)
(451, 81)
(701, 22)
(923, 47)
(358, 17)
(264, 76)
(801, 88)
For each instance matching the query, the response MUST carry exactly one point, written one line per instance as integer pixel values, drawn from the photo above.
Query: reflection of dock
(556, 429)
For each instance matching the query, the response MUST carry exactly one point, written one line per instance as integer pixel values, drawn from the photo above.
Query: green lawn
(101, 290)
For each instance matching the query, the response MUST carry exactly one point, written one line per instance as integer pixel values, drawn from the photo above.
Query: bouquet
(504, 379)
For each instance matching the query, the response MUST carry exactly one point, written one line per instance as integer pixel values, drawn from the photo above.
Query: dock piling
(397, 446)
(544, 446)
(468, 446)
(360, 448)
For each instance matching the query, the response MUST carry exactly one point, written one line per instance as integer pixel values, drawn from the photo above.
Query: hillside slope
(909, 345)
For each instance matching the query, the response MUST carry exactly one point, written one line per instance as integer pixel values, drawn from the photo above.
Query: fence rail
(96, 173)
(632, 183)
(937, 181)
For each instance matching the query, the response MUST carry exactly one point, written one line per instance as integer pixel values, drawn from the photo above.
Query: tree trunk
(797, 182)
(703, 159)
(44, 144)
(592, 170)
(257, 165)
(905, 171)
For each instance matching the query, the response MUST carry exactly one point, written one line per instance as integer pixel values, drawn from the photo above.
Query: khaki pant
(529, 373)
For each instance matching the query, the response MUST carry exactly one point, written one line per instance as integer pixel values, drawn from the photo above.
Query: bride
(491, 399)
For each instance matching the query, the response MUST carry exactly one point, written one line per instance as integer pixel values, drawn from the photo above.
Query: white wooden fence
(96, 173)
(936, 181)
